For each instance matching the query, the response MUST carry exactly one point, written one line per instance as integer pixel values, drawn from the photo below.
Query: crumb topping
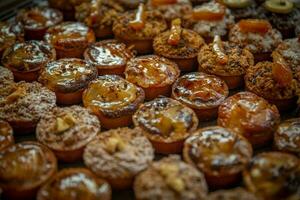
(6, 77)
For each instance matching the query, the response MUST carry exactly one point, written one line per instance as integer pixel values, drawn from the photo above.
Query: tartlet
(24, 167)
(273, 175)
(37, 20)
(179, 45)
(6, 77)
(118, 155)
(232, 194)
(245, 9)
(6, 135)
(70, 39)
(113, 100)
(75, 184)
(24, 104)
(225, 60)
(170, 178)
(257, 36)
(153, 73)
(250, 116)
(166, 123)
(219, 153)
(109, 56)
(201, 92)
(66, 131)
(68, 78)
(139, 28)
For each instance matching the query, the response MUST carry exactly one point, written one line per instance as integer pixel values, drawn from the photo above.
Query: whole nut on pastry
(115, 144)
(175, 183)
(19, 92)
(64, 123)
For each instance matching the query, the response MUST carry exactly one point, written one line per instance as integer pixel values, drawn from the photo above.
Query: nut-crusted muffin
(232, 194)
(153, 73)
(219, 153)
(6, 77)
(75, 183)
(6, 135)
(166, 122)
(70, 39)
(245, 9)
(139, 28)
(68, 78)
(118, 155)
(66, 131)
(226, 60)
(24, 167)
(24, 104)
(251, 116)
(99, 15)
(170, 178)
(113, 100)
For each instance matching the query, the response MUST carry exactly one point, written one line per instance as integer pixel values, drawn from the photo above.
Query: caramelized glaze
(209, 12)
(6, 135)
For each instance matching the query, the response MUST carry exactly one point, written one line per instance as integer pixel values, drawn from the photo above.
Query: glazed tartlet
(10, 33)
(67, 7)
(66, 131)
(99, 15)
(26, 59)
(75, 183)
(139, 28)
(250, 116)
(6, 77)
(24, 104)
(201, 92)
(232, 194)
(219, 153)
(6, 135)
(68, 78)
(170, 178)
(287, 136)
(24, 167)
(70, 39)
(109, 56)
(225, 60)
(113, 100)
(179, 45)
(166, 123)
(273, 81)
(118, 155)
(245, 9)
(273, 175)
(37, 20)
(257, 36)
(153, 73)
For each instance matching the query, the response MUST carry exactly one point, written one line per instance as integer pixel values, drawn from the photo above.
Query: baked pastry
(273, 175)
(6, 77)
(287, 137)
(201, 92)
(130, 4)
(75, 184)
(10, 33)
(245, 9)
(37, 20)
(66, 131)
(179, 45)
(24, 167)
(70, 39)
(109, 56)
(219, 153)
(257, 36)
(170, 178)
(113, 100)
(99, 15)
(68, 78)
(251, 116)
(225, 60)
(6, 135)
(139, 28)
(67, 7)
(118, 155)
(23, 105)
(166, 123)
(232, 194)
(26, 59)
(153, 73)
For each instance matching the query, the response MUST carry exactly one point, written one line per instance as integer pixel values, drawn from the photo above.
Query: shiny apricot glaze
(281, 71)
(254, 25)
(113, 100)
(139, 21)
(201, 92)
(75, 183)
(109, 56)
(24, 167)
(273, 175)
(154, 74)
(251, 116)
(166, 123)
(212, 13)
(163, 2)
(6, 135)
(175, 34)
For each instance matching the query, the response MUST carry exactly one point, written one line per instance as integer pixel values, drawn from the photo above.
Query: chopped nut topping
(65, 123)
(115, 144)
(171, 172)
(19, 92)
(176, 183)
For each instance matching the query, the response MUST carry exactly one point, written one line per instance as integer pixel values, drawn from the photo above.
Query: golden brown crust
(6, 135)
(232, 194)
